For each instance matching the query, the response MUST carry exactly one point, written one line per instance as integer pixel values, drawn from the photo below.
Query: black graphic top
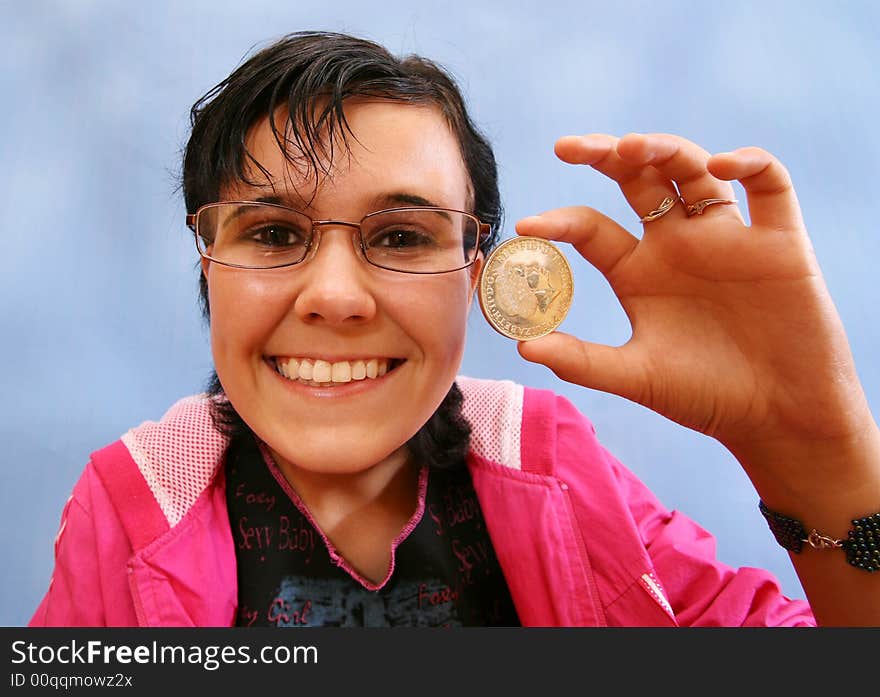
(445, 572)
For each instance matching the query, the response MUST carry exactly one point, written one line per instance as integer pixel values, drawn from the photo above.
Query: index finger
(643, 186)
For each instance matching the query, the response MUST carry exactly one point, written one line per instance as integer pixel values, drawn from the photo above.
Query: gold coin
(525, 288)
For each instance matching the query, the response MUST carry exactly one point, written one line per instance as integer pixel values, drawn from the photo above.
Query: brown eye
(277, 237)
(400, 238)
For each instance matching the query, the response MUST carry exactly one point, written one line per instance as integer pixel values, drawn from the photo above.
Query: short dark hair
(312, 74)
(300, 69)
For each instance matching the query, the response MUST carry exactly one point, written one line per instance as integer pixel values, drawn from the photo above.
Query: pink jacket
(145, 537)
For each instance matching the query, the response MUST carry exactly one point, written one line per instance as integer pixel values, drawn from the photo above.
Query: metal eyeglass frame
(483, 230)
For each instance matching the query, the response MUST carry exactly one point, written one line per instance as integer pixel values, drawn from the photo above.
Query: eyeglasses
(253, 235)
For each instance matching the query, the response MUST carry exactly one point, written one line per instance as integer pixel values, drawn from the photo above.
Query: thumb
(596, 366)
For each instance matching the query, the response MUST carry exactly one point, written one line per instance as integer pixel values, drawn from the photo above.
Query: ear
(475, 270)
(205, 265)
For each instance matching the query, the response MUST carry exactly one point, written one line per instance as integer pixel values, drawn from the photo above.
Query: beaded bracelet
(862, 545)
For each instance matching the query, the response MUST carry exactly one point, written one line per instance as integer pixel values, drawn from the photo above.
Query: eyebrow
(262, 199)
(379, 203)
(401, 197)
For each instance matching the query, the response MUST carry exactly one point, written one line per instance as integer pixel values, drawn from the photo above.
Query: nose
(336, 283)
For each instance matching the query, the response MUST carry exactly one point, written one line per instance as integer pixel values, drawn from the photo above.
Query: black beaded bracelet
(862, 545)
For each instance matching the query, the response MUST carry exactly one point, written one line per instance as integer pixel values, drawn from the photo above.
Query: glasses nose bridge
(318, 229)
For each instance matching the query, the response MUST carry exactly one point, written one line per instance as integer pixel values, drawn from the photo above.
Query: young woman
(340, 472)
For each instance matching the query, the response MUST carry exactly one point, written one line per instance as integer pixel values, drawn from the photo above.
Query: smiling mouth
(320, 373)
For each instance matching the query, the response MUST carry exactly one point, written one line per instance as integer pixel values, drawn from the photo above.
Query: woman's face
(337, 309)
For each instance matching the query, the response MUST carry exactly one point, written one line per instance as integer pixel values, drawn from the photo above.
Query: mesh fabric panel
(494, 410)
(178, 455)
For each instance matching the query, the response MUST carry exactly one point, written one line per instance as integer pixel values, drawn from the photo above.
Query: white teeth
(340, 372)
(358, 370)
(323, 373)
(292, 368)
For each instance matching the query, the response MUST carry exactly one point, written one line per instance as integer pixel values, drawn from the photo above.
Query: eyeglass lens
(417, 240)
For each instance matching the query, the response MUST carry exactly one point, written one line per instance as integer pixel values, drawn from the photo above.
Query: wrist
(861, 544)
(823, 483)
